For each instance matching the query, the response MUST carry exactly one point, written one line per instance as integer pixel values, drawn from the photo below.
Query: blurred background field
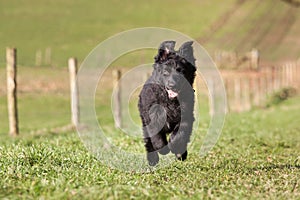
(257, 155)
(71, 28)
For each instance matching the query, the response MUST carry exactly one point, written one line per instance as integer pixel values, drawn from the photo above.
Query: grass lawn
(257, 156)
(71, 28)
(74, 28)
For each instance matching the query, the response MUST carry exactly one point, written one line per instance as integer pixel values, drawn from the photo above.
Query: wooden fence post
(237, 94)
(297, 73)
(72, 63)
(293, 75)
(263, 90)
(11, 67)
(228, 94)
(276, 78)
(280, 72)
(270, 88)
(38, 58)
(284, 77)
(246, 94)
(254, 59)
(255, 91)
(295, 78)
(48, 56)
(117, 98)
(290, 75)
(211, 87)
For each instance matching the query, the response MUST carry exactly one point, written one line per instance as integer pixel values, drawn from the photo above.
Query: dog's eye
(171, 62)
(180, 70)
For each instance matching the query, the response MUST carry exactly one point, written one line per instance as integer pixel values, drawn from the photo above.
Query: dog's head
(174, 69)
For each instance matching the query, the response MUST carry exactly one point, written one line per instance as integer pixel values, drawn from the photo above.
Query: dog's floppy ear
(186, 51)
(164, 50)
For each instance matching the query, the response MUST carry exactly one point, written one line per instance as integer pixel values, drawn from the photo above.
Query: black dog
(166, 102)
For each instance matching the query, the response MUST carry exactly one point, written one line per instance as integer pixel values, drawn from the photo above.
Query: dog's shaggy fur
(166, 102)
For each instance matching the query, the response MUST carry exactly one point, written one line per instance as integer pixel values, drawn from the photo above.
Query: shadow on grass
(273, 167)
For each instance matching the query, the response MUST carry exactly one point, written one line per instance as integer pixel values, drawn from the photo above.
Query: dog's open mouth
(172, 94)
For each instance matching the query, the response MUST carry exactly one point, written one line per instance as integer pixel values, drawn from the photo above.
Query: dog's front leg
(152, 155)
(179, 140)
(154, 136)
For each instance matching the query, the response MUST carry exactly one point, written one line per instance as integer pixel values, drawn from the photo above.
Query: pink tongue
(172, 94)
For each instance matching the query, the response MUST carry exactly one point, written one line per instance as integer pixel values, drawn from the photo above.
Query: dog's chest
(173, 110)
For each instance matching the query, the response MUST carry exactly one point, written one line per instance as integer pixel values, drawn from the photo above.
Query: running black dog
(166, 102)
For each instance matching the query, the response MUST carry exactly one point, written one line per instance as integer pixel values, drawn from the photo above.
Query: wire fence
(245, 89)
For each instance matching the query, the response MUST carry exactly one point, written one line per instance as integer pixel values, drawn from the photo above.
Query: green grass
(43, 99)
(74, 28)
(37, 112)
(257, 156)
(270, 26)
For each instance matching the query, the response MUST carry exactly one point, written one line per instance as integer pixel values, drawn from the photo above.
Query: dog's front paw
(152, 158)
(177, 147)
(182, 157)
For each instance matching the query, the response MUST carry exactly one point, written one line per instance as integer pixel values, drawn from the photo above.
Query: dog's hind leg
(160, 143)
(183, 156)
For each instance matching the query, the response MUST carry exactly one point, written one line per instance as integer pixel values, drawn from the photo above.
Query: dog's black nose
(171, 84)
